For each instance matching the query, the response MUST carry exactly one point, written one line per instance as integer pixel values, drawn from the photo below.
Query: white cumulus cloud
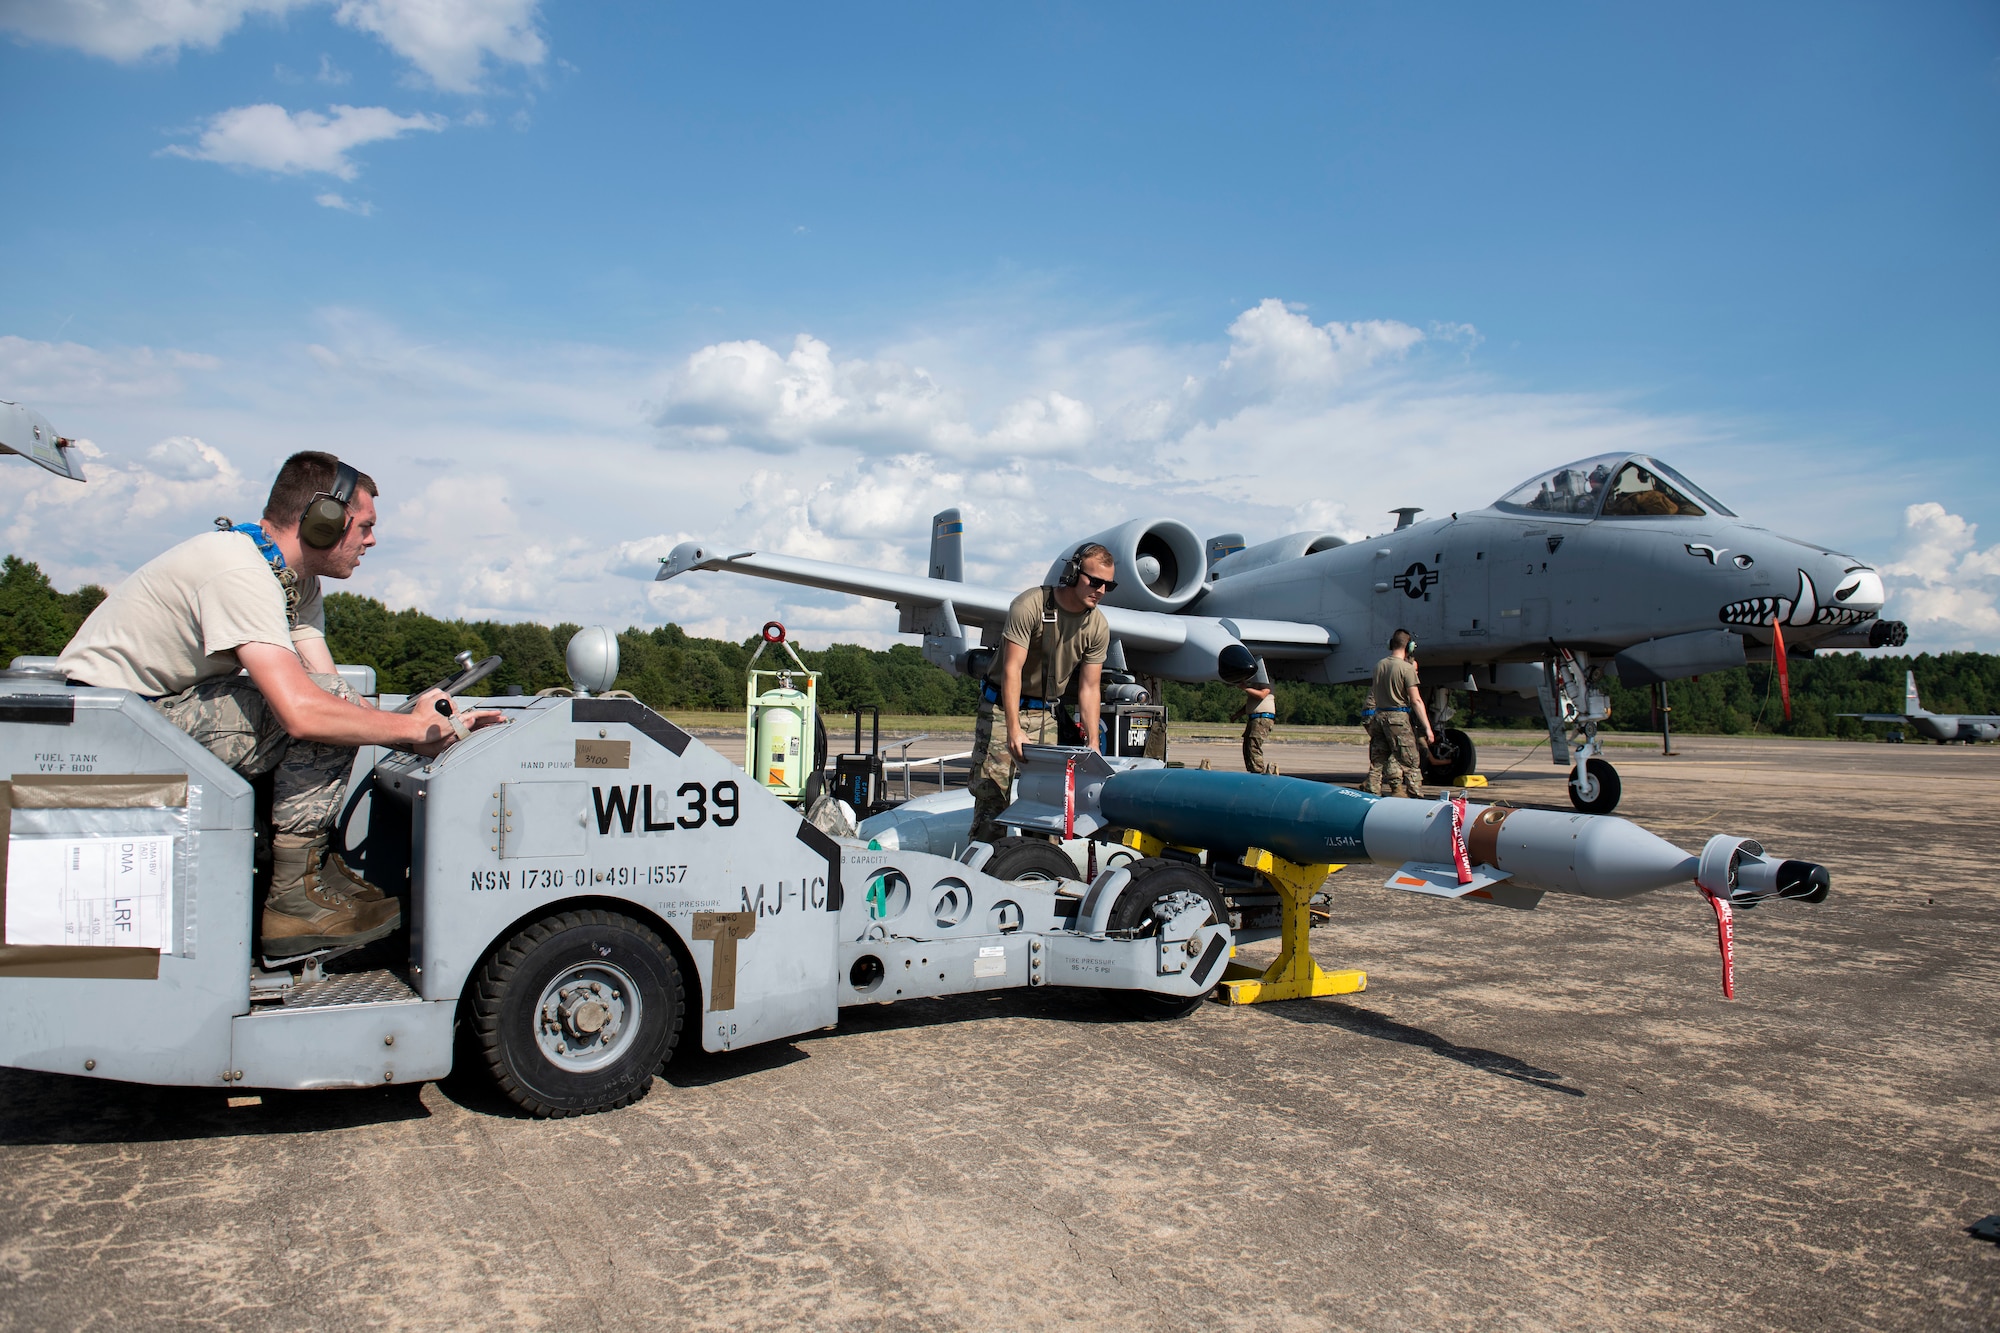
(1273, 346)
(1942, 584)
(128, 30)
(452, 42)
(266, 137)
(331, 199)
(745, 393)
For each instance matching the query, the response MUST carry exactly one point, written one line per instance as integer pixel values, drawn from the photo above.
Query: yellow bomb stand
(779, 722)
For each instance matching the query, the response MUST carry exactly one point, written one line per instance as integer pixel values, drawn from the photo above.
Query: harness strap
(288, 578)
(1048, 637)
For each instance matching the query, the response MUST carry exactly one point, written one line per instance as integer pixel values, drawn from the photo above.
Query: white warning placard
(91, 891)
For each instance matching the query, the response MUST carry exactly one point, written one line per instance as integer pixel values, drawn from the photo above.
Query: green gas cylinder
(780, 739)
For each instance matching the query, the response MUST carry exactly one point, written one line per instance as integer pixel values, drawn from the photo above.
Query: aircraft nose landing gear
(1572, 706)
(1594, 787)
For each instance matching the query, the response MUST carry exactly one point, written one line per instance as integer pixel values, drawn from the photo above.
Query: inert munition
(1512, 856)
(1559, 851)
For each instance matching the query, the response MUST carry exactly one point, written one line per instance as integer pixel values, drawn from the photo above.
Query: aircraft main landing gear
(1452, 757)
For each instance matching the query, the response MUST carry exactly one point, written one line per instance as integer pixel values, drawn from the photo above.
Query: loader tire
(576, 1012)
(1030, 859)
(1155, 880)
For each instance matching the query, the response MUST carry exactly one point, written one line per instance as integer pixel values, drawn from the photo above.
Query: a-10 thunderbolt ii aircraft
(1944, 728)
(1615, 564)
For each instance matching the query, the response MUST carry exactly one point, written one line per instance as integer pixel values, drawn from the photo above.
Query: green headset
(325, 520)
(1072, 568)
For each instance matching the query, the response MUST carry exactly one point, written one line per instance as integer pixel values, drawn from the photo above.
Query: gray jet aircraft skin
(1944, 728)
(1611, 564)
(28, 433)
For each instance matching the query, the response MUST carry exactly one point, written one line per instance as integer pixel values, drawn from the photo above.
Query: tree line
(674, 671)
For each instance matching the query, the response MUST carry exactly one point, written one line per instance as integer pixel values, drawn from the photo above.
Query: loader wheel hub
(586, 1015)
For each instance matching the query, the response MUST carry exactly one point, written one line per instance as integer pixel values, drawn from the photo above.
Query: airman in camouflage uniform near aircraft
(1262, 710)
(1395, 768)
(1055, 642)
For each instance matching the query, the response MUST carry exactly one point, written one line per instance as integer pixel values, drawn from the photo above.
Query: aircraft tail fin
(1912, 705)
(948, 546)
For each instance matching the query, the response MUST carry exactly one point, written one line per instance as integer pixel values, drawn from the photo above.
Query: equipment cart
(580, 887)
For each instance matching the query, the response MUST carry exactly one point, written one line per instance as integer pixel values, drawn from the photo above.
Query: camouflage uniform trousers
(233, 721)
(993, 765)
(1257, 730)
(1156, 737)
(1395, 768)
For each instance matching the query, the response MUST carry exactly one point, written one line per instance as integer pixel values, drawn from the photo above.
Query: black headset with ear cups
(325, 519)
(1072, 568)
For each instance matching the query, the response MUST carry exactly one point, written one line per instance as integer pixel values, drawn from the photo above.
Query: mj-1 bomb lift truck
(577, 885)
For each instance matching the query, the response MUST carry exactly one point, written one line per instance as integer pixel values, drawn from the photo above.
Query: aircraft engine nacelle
(1275, 552)
(1161, 563)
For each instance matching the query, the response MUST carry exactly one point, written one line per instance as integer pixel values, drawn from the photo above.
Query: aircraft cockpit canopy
(1612, 486)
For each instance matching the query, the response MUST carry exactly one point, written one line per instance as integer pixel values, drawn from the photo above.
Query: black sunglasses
(1104, 585)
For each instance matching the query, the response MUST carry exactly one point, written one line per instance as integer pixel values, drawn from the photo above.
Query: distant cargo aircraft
(1943, 728)
(29, 434)
(1613, 565)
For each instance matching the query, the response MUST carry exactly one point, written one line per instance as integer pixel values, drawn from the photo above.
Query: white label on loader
(992, 961)
(91, 891)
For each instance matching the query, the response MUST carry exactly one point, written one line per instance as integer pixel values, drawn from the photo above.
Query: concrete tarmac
(1543, 1119)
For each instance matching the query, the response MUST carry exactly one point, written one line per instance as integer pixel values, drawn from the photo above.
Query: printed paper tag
(91, 892)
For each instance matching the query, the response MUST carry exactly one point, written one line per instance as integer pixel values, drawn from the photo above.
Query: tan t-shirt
(179, 619)
(1395, 683)
(1078, 640)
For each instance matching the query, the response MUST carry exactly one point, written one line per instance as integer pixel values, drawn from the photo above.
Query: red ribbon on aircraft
(1458, 852)
(1784, 675)
(1725, 937)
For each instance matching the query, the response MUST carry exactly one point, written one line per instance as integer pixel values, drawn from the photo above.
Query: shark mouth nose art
(1803, 608)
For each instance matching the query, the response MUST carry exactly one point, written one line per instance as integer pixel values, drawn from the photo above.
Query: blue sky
(578, 280)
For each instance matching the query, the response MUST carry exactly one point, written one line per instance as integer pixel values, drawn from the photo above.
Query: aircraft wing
(29, 434)
(1876, 717)
(1149, 632)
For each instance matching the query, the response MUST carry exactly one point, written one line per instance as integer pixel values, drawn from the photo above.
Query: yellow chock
(1143, 843)
(1294, 976)
(1147, 845)
(1469, 780)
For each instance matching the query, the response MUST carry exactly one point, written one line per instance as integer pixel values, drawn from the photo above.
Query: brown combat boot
(335, 873)
(303, 913)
